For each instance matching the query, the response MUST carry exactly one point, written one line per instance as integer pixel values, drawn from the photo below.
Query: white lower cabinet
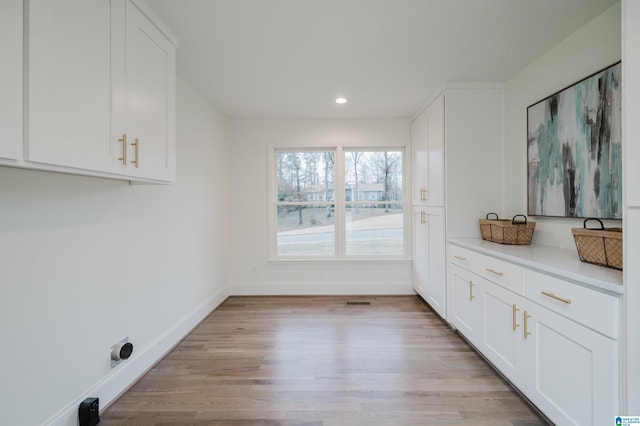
(429, 261)
(466, 314)
(572, 371)
(503, 342)
(554, 339)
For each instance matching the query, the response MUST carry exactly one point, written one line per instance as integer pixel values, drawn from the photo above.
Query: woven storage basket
(507, 231)
(601, 246)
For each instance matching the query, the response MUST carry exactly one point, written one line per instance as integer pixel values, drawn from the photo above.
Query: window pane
(374, 229)
(373, 195)
(305, 176)
(373, 175)
(305, 230)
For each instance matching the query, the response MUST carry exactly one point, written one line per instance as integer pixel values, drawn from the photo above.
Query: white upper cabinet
(69, 83)
(101, 90)
(428, 155)
(419, 152)
(150, 98)
(11, 81)
(434, 194)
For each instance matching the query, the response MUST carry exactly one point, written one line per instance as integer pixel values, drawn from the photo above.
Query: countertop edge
(605, 279)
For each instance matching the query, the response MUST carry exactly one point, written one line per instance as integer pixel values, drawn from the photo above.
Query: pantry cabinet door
(437, 264)
(435, 152)
(420, 252)
(419, 153)
(11, 81)
(69, 83)
(150, 98)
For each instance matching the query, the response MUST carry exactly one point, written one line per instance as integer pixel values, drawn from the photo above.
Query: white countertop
(551, 260)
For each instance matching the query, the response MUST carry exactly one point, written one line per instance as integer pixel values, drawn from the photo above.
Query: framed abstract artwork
(574, 157)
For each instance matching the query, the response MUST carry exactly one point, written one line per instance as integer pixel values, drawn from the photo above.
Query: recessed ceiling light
(341, 100)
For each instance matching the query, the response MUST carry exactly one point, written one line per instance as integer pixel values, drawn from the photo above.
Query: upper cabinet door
(419, 151)
(11, 81)
(150, 98)
(435, 153)
(427, 138)
(69, 83)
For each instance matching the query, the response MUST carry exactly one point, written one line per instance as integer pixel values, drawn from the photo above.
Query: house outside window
(337, 203)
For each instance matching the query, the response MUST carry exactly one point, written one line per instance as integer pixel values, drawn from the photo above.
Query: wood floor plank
(316, 361)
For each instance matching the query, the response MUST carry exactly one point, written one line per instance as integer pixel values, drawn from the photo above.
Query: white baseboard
(127, 373)
(324, 288)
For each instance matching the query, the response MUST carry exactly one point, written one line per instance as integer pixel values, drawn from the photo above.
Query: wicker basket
(601, 246)
(507, 231)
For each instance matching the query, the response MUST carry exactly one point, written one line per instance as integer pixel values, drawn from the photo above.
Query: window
(361, 216)
(305, 210)
(373, 228)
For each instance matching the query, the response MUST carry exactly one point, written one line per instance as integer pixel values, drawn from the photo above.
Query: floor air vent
(358, 303)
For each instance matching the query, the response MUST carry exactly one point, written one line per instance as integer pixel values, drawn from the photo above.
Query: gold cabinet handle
(136, 145)
(123, 140)
(460, 257)
(471, 296)
(493, 271)
(423, 195)
(526, 329)
(553, 296)
(515, 309)
(423, 217)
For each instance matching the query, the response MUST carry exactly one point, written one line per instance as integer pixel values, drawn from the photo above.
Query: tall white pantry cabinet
(98, 85)
(457, 149)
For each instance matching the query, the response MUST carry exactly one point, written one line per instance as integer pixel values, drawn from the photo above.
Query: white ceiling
(292, 58)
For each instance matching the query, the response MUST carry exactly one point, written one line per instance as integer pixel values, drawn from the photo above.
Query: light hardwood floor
(318, 361)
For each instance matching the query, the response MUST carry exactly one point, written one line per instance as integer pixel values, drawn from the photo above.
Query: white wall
(631, 149)
(590, 49)
(249, 142)
(85, 262)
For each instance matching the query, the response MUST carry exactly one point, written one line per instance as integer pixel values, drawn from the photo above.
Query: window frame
(339, 201)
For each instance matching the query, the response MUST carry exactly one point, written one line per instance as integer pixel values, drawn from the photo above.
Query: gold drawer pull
(460, 257)
(471, 296)
(515, 309)
(423, 217)
(123, 140)
(493, 271)
(136, 146)
(525, 330)
(553, 296)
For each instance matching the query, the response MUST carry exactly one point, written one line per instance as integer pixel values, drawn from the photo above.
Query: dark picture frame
(574, 149)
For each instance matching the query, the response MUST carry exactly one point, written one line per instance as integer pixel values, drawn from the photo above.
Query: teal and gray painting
(574, 150)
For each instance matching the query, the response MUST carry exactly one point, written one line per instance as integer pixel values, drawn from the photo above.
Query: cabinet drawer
(461, 257)
(596, 310)
(503, 273)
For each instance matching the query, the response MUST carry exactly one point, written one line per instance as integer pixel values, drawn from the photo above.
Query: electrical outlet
(121, 351)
